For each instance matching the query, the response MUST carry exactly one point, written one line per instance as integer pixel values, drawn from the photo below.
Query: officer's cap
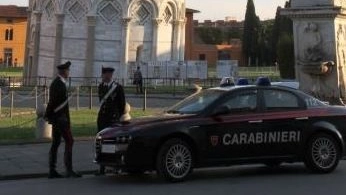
(64, 66)
(107, 69)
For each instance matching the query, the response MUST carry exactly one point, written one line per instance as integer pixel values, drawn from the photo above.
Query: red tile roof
(12, 11)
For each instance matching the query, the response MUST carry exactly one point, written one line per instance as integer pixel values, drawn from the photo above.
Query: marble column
(182, 40)
(26, 73)
(36, 48)
(176, 40)
(58, 40)
(156, 26)
(90, 50)
(125, 49)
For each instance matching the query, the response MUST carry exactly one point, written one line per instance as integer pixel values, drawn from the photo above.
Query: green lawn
(22, 128)
(11, 72)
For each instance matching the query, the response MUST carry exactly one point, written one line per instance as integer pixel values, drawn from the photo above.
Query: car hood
(142, 123)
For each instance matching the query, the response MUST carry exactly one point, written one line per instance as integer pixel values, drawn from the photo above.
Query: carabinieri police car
(224, 126)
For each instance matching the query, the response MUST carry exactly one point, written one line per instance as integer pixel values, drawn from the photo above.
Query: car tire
(174, 160)
(322, 153)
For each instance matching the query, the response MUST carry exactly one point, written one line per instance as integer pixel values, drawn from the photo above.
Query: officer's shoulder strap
(114, 86)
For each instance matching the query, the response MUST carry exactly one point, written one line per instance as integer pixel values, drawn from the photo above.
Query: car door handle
(302, 118)
(258, 121)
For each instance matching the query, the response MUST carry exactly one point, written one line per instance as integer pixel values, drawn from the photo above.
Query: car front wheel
(323, 154)
(174, 160)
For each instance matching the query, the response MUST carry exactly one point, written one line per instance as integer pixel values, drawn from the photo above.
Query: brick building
(194, 50)
(13, 27)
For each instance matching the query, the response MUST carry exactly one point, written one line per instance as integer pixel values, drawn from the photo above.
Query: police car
(224, 126)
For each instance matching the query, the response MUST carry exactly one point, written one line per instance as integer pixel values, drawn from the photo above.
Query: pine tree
(250, 35)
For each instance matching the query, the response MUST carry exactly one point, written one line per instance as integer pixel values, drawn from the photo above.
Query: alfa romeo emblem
(214, 140)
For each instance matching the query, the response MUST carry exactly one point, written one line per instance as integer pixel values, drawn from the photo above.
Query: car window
(196, 103)
(280, 100)
(243, 102)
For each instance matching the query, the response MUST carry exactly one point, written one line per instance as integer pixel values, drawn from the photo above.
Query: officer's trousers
(64, 131)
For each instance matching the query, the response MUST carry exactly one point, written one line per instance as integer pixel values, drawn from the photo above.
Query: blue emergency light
(263, 81)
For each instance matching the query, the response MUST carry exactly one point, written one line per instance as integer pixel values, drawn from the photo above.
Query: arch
(152, 3)
(173, 6)
(76, 9)
(49, 9)
(109, 11)
(86, 4)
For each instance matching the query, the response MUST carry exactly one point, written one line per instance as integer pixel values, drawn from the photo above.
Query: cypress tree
(282, 40)
(250, 35)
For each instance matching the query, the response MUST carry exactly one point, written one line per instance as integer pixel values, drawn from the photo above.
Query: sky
(212, 9)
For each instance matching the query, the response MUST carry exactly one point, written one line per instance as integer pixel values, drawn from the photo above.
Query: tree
(210, 35)
(265, 49)
(282, 40)
(285, 53)
(251, 31)
(217, 35)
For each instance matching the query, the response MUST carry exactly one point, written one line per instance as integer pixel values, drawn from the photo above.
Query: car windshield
(194, 104)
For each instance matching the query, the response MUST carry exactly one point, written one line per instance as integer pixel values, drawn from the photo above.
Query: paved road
(31, 160)
(242, 180)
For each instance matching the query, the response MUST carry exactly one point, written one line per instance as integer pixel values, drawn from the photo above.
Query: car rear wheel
(174, 160)
(323, 154)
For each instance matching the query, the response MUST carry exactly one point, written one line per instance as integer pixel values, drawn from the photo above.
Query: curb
(38, 175)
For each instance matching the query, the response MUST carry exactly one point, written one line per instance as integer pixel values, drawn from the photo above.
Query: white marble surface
(109, 34)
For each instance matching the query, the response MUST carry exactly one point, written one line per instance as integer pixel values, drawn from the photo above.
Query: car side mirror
(221, 110)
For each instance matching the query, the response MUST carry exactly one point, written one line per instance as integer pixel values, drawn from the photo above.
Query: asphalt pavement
(31, 160)
(236, 180)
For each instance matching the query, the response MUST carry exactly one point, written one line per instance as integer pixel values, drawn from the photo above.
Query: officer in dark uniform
(57, 114)
(112, 102)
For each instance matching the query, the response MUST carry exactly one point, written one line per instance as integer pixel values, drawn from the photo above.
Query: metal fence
(95, 81)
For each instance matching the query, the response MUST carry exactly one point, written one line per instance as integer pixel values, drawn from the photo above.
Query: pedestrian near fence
(138, 80)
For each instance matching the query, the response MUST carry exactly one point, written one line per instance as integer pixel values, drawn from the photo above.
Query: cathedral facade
(96, 33)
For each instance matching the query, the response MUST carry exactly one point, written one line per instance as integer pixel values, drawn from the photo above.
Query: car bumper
(122, 155)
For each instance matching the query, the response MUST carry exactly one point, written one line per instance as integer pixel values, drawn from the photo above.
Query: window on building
(8, 53)
(9, 34)
(202, 57)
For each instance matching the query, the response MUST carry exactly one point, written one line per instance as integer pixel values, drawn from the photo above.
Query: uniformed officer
(112, 102)
(57, 114)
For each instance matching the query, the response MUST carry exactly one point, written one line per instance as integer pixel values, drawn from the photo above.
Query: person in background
(138, 80)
